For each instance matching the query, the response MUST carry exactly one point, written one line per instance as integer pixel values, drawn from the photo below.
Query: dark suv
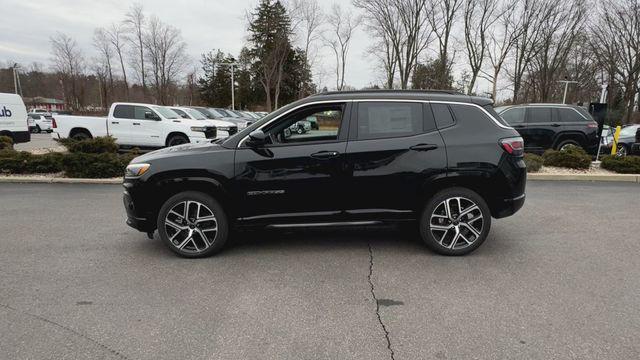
(552, 126)
(444, 160)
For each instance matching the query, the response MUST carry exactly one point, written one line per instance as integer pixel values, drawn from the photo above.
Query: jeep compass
(443, 161)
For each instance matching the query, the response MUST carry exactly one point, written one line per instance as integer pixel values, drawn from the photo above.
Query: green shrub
(533, 161)
(22, 162)
(98, 145)
(105, 165)
(622, 165)
(574, 158)
(6, 142)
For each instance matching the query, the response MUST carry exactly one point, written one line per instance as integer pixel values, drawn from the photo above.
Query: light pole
(16, 79)
(566, 86)
(233, 100)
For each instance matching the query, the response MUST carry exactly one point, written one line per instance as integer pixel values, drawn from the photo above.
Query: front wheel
(622, 150)
(455, 221)
(193, 224)
(177, 140)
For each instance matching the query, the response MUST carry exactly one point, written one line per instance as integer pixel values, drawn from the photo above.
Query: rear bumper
(21, 137)
(509, 207)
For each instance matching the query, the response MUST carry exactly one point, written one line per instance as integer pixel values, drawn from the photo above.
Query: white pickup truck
(136, 125)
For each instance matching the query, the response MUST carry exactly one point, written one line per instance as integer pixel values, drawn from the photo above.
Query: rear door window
(539, 115)
(514, 116)
(377, 120)
(569, 115)
(123, 112)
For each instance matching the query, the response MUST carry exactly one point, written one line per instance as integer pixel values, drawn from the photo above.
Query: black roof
(441, 95)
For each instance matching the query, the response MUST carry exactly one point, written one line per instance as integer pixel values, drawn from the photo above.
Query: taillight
(513, 146)
(53, 123)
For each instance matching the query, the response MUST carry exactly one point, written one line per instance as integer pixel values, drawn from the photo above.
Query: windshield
(166, 112)
(215, 113)
(226, 113)
(196, 114)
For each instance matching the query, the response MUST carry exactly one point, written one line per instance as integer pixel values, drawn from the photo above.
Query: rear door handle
(115, 122)
(424, 147)
(323, 155)
(555, 125)
(136, 123)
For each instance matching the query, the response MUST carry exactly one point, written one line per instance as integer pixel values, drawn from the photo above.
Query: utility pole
(566, 87)
(233, 85)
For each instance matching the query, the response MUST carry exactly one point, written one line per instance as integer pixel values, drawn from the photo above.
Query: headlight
(198, 128)
(136, 170)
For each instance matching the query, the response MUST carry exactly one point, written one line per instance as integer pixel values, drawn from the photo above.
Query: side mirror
(257, 138)
(150, 116)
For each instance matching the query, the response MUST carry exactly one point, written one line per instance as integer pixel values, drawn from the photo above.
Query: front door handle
(324, 155)
(136, 123)
(424, 147)
(555, 125)
(115, 122)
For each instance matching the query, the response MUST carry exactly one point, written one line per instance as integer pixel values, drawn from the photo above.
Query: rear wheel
(38, 130)
(566, 144)
(193, 224)
(455, 221)
(177, 140)
(81, 135)
(622, 150)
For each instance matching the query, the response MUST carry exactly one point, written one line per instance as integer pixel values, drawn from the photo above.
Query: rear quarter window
(470, 112)
(123, 112)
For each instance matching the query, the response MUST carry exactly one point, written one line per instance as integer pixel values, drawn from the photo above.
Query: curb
(631, 178)
(50, 180)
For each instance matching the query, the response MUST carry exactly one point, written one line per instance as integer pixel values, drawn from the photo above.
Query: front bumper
(135, 219)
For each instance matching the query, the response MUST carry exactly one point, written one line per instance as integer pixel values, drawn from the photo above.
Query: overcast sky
(27, 25)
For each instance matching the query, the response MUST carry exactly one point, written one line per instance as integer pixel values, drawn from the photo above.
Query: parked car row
(148, 126)
(628, 141)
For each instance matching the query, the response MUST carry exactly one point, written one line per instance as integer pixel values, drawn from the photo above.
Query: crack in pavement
(68, 329)
(373, 293)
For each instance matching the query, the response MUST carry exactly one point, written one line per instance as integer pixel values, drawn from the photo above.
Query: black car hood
(179, 150)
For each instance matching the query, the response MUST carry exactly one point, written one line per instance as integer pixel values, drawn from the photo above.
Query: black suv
(552, 126)
(447, 161)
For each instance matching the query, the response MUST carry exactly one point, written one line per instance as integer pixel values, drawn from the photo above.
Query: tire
(38, 130)
(174, 229)
(457, 227)
(177, 140)
(300, 130)
(564, 143)
(81, 135)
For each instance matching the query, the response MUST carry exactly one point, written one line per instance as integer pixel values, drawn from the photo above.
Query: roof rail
(369, 91)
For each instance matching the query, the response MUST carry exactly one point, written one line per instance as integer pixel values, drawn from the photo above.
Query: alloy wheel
(191, 227)
(456, 223)
(622, 151)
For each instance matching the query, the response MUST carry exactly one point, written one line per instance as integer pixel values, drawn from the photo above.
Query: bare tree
(402, 28)
(526, 47)
(442, 19)
(105, 49)
(165, 50)
(135, 21)
(68, 61)
(560, 25)
(616, 45)
(306, 19)
(342, 25)
(479, 16)
(116, 35)
(385, 52)
(502, 35)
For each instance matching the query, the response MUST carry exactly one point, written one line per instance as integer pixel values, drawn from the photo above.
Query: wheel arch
(76, 130)
(175, 133)
(570, 135)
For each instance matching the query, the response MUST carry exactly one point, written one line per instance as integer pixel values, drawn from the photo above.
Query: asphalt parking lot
(557, 281)
(38, 141)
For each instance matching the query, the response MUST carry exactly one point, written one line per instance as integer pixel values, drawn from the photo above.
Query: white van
(13, 118)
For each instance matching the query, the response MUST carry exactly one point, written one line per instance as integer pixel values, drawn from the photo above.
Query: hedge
(533, 161)
(622, 165)
(81, 165)
(574, 158)
(98, 145)
(6, 142)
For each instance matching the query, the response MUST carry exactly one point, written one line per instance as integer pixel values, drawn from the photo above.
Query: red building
(39, 102)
